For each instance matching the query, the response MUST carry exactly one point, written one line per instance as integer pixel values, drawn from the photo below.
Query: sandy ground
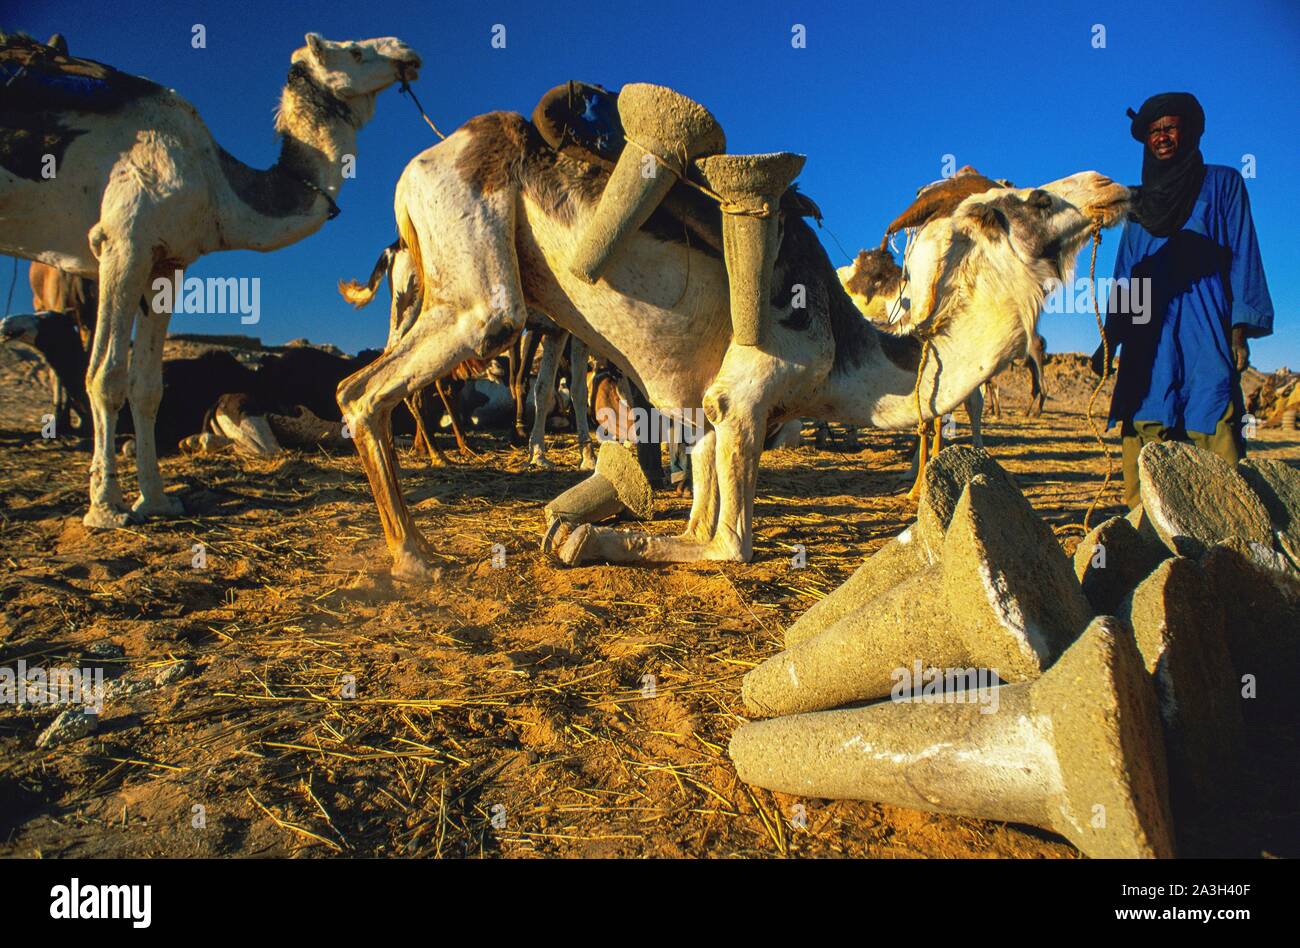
(509, 710)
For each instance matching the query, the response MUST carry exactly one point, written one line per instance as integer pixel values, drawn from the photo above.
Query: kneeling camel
(491, 216)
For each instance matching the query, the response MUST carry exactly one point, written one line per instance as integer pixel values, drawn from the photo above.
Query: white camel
(142, 190)
(492, 216)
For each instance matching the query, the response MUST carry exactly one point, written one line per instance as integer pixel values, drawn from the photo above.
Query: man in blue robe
(1191, 238)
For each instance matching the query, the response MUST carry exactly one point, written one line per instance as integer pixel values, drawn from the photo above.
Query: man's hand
(1097, 362)
(1240, 348)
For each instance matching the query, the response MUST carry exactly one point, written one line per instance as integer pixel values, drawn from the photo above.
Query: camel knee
(146, 396)
(106, 384)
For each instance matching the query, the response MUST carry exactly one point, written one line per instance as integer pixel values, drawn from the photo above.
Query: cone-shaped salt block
(1195, 498)
(1077, 751)
(1111, 561)
(660, 123)
(1003, 597)
(1179, 626)
(1277, 485)
(750, 187)
(901, 557)
(618, 485)
(1263, 630)
(946, 476)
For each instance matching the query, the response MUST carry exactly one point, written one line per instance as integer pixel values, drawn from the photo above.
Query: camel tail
(410, 242)
(359, 294)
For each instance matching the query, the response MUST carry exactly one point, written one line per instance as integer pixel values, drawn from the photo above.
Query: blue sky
(880, 94)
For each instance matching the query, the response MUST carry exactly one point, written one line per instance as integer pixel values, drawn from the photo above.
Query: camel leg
(438, 342)
(452, 415)
(145, 388)
(544, 398)
(1037, 393)
(60, 405)
(423, 439)
(578, 396)
(704, 489)
(975, 411)
(529, 340)
(123, 280)
(730, 475)
(993, 399)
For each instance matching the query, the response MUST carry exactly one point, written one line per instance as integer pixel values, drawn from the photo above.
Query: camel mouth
(1110, 205)
(408, 67)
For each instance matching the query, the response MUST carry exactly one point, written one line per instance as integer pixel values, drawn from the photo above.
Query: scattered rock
(71, 725)
(1194, 499)
(125, 687)
(174, 673)
(103, 651)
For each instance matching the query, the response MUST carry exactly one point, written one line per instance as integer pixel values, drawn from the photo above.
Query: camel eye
(356, 55)
(1041, 200)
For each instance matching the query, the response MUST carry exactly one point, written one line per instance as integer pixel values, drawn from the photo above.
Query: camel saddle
(940, 199)
(36, 77)
(580, 120)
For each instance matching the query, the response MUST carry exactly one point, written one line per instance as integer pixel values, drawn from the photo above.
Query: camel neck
(294, 197)
(880, 389)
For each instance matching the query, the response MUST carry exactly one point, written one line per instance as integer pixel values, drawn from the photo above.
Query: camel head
(872, 282)
(1043, 227)
(22, 328)
(1005, 249)
(357, 68)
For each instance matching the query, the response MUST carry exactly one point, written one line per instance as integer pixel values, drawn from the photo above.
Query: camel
(491, 217)
(874, 283)
(142, 191)
(54, 291)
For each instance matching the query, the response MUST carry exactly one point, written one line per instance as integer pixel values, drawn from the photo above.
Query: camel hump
(41, 77)
(581, 120)
(941, 198)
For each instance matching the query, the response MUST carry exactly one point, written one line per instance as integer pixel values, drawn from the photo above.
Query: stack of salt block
(1125, 683)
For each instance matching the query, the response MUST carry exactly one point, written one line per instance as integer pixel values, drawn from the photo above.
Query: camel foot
(104, 517)
(541, 461)
(588, 458)
(165, 505)
(413, 568)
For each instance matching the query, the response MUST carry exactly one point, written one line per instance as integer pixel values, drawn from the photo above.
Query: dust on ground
(309, 707)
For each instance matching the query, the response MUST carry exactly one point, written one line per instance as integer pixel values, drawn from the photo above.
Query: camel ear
(316, 44)
(986, 220)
